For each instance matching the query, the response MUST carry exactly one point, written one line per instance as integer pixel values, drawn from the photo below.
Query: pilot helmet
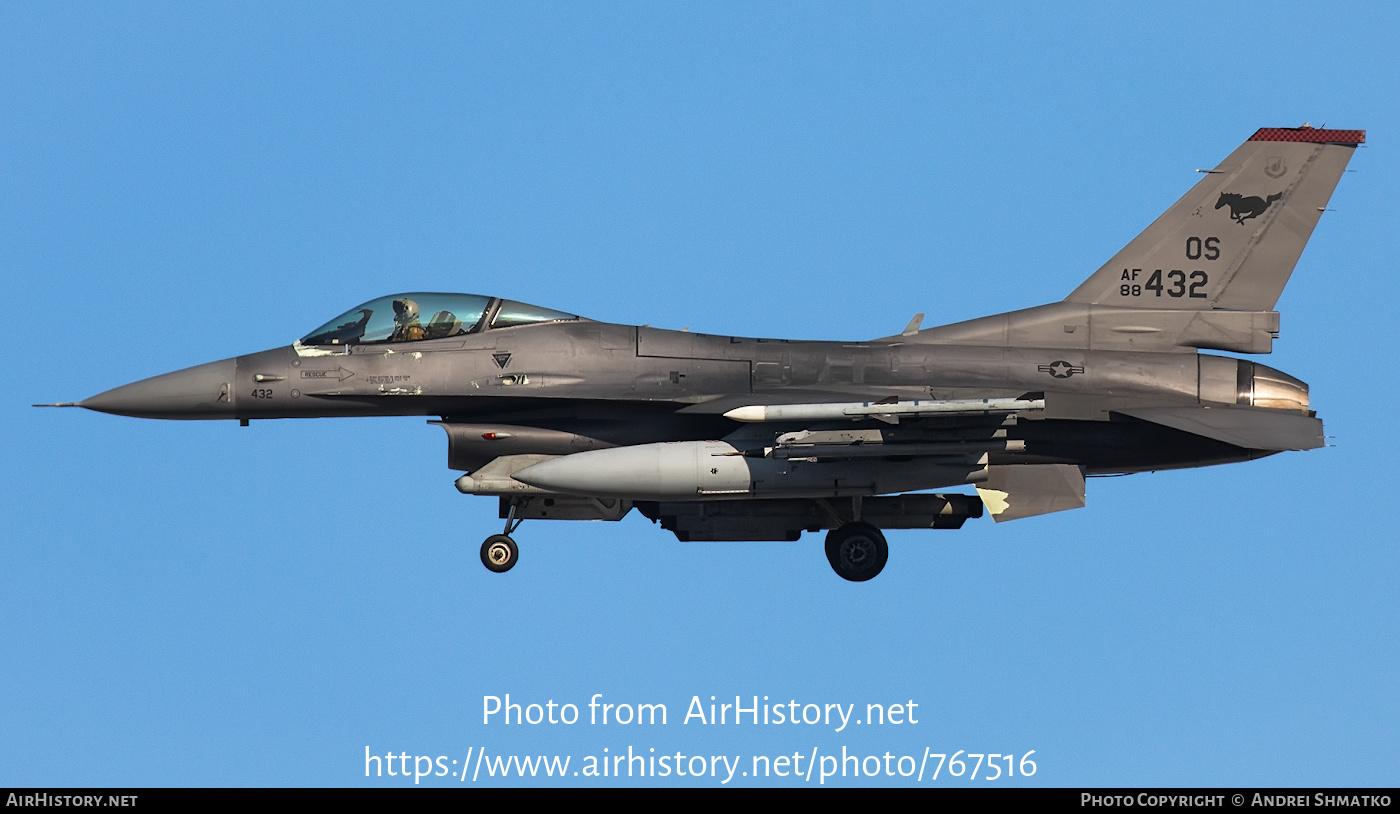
(405, 311)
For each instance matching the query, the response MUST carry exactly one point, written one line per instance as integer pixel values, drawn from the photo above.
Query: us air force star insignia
(501, 359)
(1060, 369)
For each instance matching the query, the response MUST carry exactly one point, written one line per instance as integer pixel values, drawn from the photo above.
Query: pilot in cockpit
(407, 328)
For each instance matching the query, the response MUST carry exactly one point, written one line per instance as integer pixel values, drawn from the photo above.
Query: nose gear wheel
(499, 553)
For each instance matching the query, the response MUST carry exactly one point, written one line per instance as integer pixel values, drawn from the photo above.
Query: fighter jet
(734, 438)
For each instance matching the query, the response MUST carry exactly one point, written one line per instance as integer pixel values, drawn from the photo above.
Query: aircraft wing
(972, 429)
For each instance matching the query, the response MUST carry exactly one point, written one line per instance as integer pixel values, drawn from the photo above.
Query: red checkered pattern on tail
(1310, 135)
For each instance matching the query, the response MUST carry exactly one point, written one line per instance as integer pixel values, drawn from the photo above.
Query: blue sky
(189, 603)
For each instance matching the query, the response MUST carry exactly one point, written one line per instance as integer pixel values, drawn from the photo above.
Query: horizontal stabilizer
(1246, 427)
(1013, 492)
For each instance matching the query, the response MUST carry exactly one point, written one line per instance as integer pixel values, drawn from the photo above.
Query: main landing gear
(500, 553)
(856, 551)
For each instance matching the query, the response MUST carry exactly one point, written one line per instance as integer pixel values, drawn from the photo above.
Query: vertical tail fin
(1233, 240)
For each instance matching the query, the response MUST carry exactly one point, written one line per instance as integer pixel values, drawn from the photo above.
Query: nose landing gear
(500, 553)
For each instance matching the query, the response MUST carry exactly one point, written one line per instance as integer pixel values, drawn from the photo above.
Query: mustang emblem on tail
(1242, 208)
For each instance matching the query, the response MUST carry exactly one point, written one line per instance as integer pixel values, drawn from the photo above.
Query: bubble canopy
(418, 316)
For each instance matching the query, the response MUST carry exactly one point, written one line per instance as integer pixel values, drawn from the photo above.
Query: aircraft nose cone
(203, 391)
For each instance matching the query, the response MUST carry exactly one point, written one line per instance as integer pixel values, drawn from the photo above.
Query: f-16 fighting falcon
(730, 438)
